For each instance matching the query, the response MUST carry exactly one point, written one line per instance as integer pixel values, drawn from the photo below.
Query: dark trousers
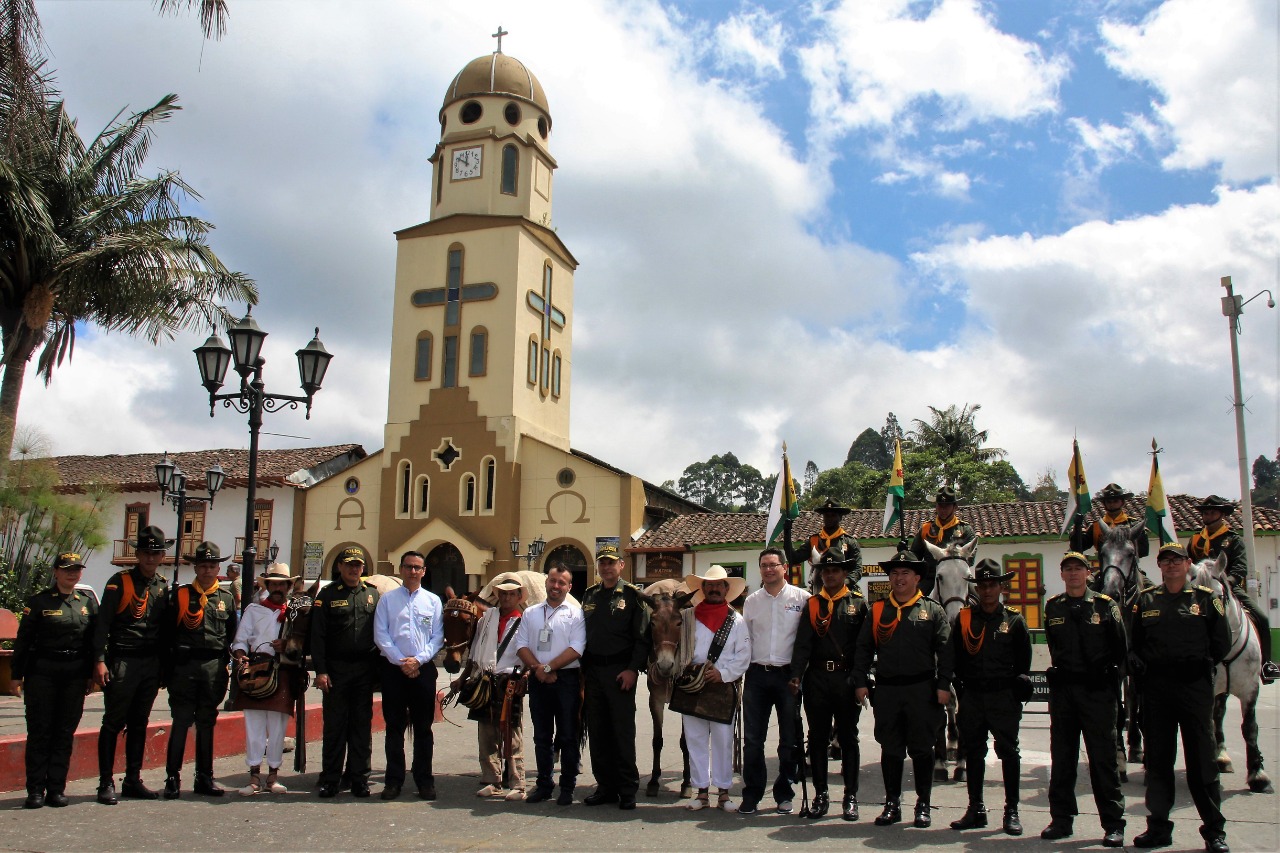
(196, 690)
(127, 701)
(908, 718)
(53, 695)
(348, 722)
(1168, 707)
(409, 702)
(994, 713)
(828, 696)
(1077, 710)
(611, 728)
(553, 708)
(765, 693)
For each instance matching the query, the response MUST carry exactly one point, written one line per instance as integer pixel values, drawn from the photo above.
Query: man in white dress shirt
(550, 639)
(772, 614)
(493, 649)
(711, 744)
(408, 627)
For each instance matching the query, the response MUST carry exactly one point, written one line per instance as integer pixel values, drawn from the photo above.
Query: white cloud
(753, 39)
(1214, 63)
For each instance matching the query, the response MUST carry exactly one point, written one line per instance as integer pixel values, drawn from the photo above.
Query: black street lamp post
(173, 490)
(535, 550)
(214, 357)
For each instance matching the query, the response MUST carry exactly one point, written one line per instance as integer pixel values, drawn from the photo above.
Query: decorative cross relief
(552, 318)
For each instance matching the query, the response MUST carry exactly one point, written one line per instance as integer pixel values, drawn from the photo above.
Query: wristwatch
(546, 668)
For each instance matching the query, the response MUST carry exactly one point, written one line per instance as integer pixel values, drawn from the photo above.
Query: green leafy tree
(891, 432)
(810, 477)
(869, 449)
(1046, 487)
(213, 14)
(953, 431)
(85, 237)
(1266, 482)
(724, 484)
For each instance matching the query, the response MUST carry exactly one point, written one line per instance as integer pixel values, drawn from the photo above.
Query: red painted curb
(228, 740)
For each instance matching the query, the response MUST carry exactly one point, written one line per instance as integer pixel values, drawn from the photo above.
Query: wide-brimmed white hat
(278, 572)
(737, 586)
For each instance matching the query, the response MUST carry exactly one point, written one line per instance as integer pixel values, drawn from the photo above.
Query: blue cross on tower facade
(544, 365)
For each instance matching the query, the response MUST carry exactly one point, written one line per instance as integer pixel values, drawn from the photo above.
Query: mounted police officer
(52, 663)
(196, 636)
(1179, 634)
(126, 644)
(908, 637)
(832, 535)
(993, 664)
(1217, 537)
(1112, 497)
(617, 622)
(823, 656)
(942, 530)
(1086, 645)
(346, 662)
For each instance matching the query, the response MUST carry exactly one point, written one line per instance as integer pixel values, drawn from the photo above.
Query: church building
(477, 454)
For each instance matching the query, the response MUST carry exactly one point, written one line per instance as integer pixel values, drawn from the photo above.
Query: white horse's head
(951, 587)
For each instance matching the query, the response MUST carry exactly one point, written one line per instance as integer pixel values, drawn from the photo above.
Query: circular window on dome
(512, 114)
(471, 112)
(542, 127)
(566, 477)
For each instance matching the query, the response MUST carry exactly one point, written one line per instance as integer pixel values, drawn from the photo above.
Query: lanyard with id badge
(544, 636)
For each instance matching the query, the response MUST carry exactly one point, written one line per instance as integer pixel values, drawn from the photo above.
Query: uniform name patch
(1058, 620)
(51, 613)
(341, 602)
(1147, 613)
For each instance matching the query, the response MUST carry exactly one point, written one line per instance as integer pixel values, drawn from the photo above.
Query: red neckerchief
(282, 609)
(503, 620)
(711, 615)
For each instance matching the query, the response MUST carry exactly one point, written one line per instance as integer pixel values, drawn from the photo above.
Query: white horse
(1238, 675)
(953, 591)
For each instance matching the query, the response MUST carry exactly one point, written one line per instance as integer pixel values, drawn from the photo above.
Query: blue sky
(792, 217)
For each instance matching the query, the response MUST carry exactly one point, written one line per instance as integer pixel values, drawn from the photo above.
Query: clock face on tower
(466, 163)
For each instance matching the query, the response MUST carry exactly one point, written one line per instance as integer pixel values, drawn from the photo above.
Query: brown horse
(460, 618)
(666, 599)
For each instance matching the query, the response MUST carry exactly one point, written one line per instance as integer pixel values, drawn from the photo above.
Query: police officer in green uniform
(196, 639)
(1179, 633)
(1217, 537)
(52, 662)
(908, 638)
(126, 646)
(345, 658)
(831, 535)
(1086, 646)
(993, 663)
(1112, 498)
(821, 660)
(617, 626)
(942, 530)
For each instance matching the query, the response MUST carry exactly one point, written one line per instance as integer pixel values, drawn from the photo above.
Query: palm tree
(213, 14)
(952, 432)
(84, 237)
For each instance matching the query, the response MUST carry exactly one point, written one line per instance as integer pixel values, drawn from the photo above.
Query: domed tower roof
(496, 74)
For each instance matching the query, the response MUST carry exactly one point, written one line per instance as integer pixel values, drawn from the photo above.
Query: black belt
(989, 685)
(605, 660)
(1181, 672)
(200, 654)
(118, 652)
(1092, 680)
(903, 680)
(60, 654)
(350, 657)
(830, 666)
(769, 667)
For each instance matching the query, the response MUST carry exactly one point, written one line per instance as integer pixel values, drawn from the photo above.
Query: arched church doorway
(575, 561)
(445, 568)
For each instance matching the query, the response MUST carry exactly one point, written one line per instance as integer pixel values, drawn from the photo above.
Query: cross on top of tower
(498, 35)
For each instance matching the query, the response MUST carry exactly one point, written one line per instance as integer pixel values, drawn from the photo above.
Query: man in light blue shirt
(408, 627)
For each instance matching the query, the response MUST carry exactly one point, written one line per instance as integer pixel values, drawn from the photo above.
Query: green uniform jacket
(137, 624)
(342, 624)
(961, 533)
(1090, 537)
(1202, 547)
(617, 624)
(1086, 635)
(846, 541)
(921, 643)
(839, 641)
(1180, 634)
(1003, 647)
(216, 630)
(56, 627)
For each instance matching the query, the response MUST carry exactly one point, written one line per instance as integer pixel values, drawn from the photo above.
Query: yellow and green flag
(1079, 501)
(784, 505)
(893, 495)
(1159, 519)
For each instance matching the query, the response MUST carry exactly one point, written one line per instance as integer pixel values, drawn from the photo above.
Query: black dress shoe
(1113, 838)
(599, 798)
(537, 795)
(390, 791)
(821, 803)
(56, 800)
(1056, 830)
(172, 788)
(924, 819)
(892, 813)
(1012, 825)
(1217, 844)
(359, 790)
(427, 792)
(1153, 838)
(107, 794)
(327, 791)
(134, 789)
(974, 818)
(34, 801)
(206, 787)
(849, 807)
(565, 798)
(626, 803)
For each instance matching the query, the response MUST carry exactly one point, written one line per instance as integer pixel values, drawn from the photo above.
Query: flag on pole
(784, 505)
(1079, 502)
(1159, 519)
(893, 496)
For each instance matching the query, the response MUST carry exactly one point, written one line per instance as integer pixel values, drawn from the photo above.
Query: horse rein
(460, 608)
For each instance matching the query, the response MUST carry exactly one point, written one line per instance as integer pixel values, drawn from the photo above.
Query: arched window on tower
(422, 357)
(490, 468)
(468, 495)
(479, 365)
(533, 359)
(404, 488)
(422, 496)
(555, 373)
(510, 162)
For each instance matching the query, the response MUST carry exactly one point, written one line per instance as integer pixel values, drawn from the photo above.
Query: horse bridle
(1128, 585)
(460, 608)
(936, 594)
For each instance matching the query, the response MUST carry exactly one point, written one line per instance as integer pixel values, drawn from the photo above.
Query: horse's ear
(970, 549)
(938, 553)
(682, 600)
(1138, 533)
(1221, 564)
(650, 601)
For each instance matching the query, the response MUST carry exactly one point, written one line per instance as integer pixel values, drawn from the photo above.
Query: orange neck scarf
(885, 632)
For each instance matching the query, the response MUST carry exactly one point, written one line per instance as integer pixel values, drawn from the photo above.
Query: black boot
(974, 818)
(134, 789)
(922, 767)
(892, 812)
(172, 787)
(1012, 824)
(821, 803)
(205, 785)
(924, 816)
(1012, 771)
(35, 799)
(173, 759)
(891, 768)
(107, 758)
(107, 792)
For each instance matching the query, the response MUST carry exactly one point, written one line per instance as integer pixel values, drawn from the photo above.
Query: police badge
(1003, 629)
(924, 615)
(1194, 610)
(222, 607)
(1095, 619)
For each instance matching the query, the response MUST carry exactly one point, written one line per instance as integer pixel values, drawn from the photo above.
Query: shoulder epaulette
(1102, 596)
(857, 593)
(1205, 589)
(1013, 609)
(1055, 597)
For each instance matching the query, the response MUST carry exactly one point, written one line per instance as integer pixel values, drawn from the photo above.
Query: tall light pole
(252, 399)
(173, 489)
(1232, 308)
